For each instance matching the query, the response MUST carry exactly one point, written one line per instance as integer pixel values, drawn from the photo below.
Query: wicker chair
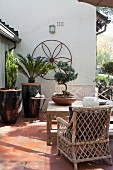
(87, 136)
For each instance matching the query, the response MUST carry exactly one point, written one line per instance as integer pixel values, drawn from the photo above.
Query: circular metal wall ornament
(53, 51)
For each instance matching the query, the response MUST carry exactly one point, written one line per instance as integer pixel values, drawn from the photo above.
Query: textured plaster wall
(2, 61)
(4, 46)
(32, 19)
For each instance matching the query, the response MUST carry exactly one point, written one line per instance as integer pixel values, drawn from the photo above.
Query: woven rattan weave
(87, 137)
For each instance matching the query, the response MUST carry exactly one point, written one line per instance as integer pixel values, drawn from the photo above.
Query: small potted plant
(10, 96)
(107, 68)
(66, 74)
(32, 68)
(105, 82)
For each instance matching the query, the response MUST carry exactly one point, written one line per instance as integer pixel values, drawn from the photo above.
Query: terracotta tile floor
(23, 147)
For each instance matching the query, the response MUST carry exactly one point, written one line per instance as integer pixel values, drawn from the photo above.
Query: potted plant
(66, 74)
(10, 96)
(32, 68)
(108, 68)
(105, 81)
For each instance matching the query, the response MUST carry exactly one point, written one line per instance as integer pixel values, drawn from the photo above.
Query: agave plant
(33, 67)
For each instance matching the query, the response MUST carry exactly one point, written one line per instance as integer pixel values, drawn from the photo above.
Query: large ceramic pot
(29, 90)
(10, 105)
(63, 101)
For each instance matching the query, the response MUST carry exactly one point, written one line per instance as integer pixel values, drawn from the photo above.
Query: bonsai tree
(33, 67)
(108, 68)
(66, 74)
(11, 68)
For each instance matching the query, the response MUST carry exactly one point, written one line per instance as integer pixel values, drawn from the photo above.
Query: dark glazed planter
(31, 109)
(10, 105)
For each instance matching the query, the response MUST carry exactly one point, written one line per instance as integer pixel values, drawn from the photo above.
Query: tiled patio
(23, 147)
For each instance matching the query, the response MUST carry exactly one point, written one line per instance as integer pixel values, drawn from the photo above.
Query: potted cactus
(10, 96)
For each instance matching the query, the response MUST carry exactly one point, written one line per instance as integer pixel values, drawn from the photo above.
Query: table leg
(49, 121)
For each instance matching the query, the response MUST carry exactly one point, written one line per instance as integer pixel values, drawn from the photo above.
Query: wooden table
(54, 111)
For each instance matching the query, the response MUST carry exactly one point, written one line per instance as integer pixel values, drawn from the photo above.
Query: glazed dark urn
(10, 105)
(31, 107)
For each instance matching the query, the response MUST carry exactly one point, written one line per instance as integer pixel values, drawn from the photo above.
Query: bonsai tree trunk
(65, 90)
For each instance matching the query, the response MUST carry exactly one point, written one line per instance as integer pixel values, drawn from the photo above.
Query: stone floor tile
(23, 147)
(35, 165)
(8, 165)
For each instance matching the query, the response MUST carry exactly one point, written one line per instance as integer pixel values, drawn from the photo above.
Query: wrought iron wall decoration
(53, 51)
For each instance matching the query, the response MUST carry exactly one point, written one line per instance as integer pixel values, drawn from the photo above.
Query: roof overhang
(101, 22)
(101, 3)
(6, 32)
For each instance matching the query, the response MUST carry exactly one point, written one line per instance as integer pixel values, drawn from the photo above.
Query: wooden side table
(54, 111)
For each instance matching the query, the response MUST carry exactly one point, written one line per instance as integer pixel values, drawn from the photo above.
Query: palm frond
(33, 67)
(27, 62)
(21, 69)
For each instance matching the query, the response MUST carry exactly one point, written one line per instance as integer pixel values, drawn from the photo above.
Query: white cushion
(90, 101)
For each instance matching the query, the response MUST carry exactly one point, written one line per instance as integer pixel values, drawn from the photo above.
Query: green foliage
(102, 57)
(104, 49)
(101, 81)
(108, 68)
(66, 73)
(104, 81)
(11, 70)
(33, 67)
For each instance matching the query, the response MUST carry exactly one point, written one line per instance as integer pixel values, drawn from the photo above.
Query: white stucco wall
(32, 19)
(4, 46)
(2, 62)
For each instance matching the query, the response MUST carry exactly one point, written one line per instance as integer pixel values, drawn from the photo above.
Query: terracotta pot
(63, 101)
